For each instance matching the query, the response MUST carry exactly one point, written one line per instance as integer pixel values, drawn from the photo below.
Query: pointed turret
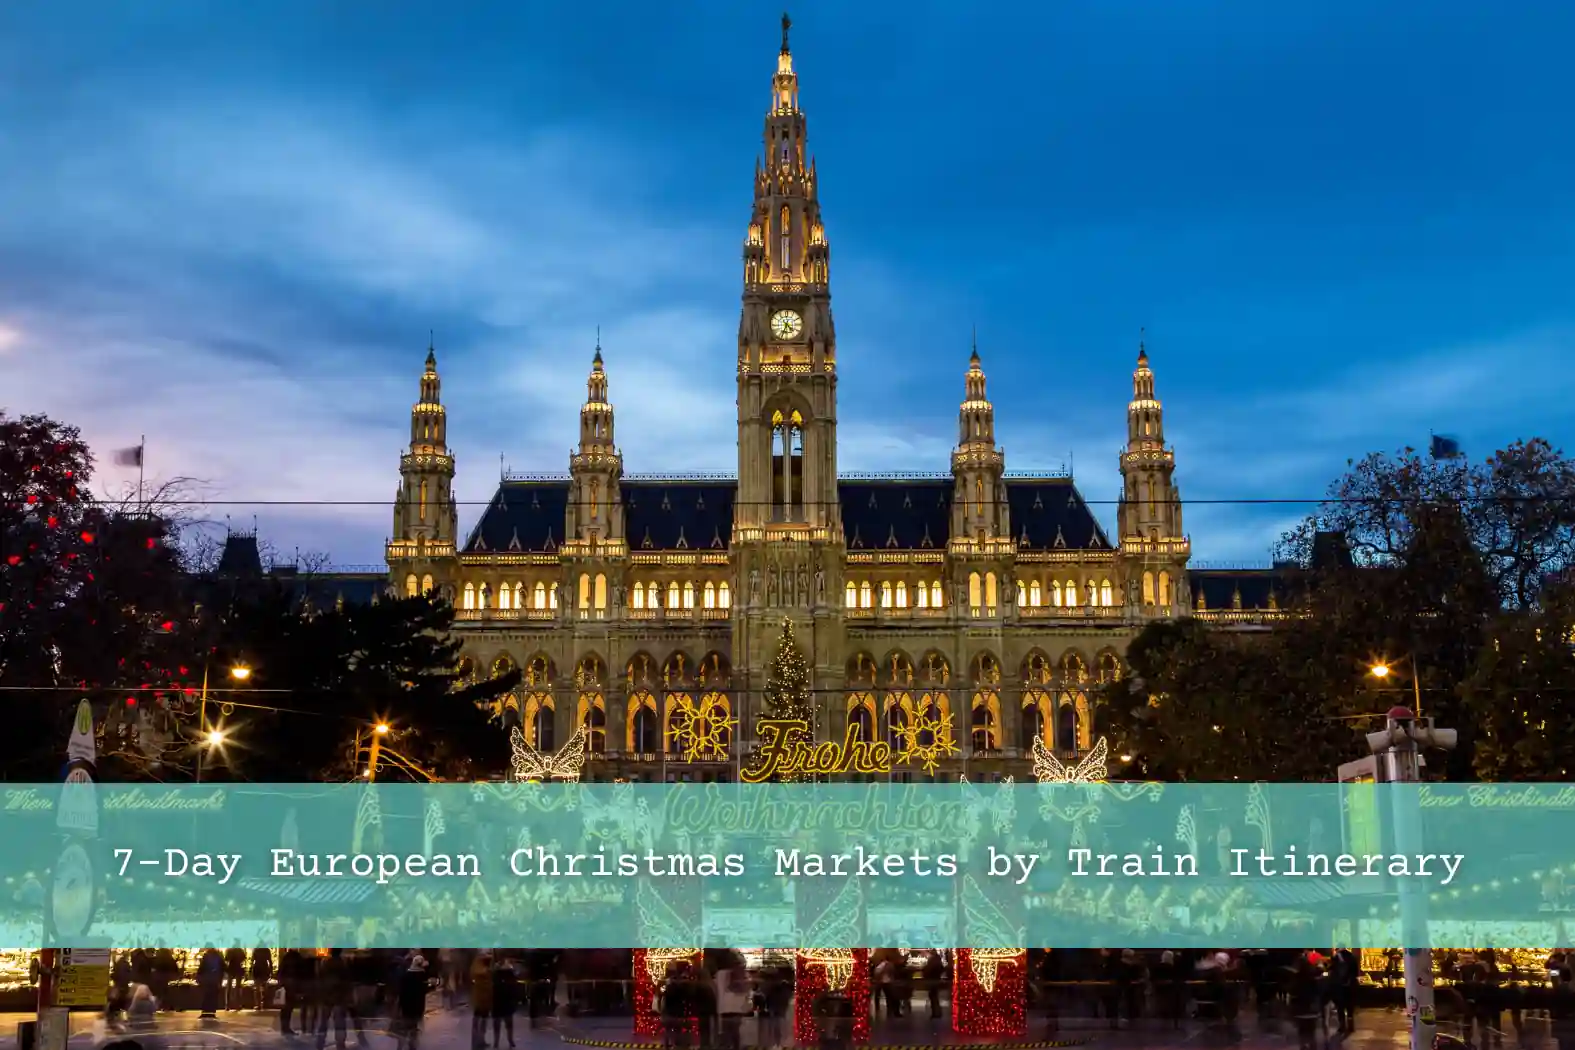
(979, 511)
(1150, 511)
(426, 515)
(595, 514)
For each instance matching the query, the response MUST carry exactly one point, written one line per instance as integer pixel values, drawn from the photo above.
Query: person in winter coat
(505, 1000)
(290, 985)
(262, 973)
(210, 981)
(732, 1001)
(480, 998)
(414, 984)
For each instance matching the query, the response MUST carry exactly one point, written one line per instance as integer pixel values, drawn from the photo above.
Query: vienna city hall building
(987, 602)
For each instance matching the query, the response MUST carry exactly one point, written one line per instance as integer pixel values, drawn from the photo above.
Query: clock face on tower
(785, 324)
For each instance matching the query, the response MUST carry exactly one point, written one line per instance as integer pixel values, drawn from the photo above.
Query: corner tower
(426, 517)
(1152, 540)
(596, 502)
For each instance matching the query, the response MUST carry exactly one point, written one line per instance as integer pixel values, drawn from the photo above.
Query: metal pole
(373, 755)
(202, 722)
(1401, 767)
(1416, 685)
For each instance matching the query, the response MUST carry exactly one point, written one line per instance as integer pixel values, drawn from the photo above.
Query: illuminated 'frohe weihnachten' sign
(786, 748)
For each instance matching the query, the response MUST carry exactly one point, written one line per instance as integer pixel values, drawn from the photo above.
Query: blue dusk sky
(230, 226)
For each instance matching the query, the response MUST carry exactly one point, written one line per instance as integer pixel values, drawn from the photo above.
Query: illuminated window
(426, 585)
(484, 597)
(638, 594)
(1035, 594)
(601, 591)
(885, 594)
(866, 592)
(973, 590)
(689, 595)
(710, 595)
(421, 506)
(936, 596)
(552, 596)
(540, 595)
(989, 590)
(1071, 592)
(724, 595)
(851, 595)
(1106, 593)
(585, 590)
(1055, 593)
(673, 595)
(787, 237)
(921, 591)
(469, 601)
(1148, 588)
(653, 597)
(412, 585)
(1164, 588)
(902, 594)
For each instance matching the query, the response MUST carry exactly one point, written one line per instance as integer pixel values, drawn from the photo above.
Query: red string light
(647, 1013)
(809, 980)
(998, 1013)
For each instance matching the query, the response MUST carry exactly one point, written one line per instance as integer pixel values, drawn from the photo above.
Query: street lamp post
(379, 731)
(1383, 671)
(212, 737)
(1399, 746)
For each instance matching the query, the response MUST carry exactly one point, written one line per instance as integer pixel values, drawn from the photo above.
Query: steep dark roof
(697, 514)
(1218, 587)
(523, 516)
(678, 515)
(241, 555)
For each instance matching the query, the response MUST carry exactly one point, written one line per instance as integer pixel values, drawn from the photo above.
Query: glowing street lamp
(1382, 670)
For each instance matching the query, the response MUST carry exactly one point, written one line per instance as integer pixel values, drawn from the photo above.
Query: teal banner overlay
(787, 866)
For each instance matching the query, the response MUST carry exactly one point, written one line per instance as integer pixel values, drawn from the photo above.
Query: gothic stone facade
(999, 600)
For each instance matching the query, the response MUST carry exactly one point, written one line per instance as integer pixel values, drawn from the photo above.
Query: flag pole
(142, 456)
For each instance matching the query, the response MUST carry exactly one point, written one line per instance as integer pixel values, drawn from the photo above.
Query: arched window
(724, 595)
(989, 591)
(937, 596)
(974, 596)
(861, 722)
(469, 601)
(519, 596)
(1071, 592)
(484, 597)
(1035, 595)
(983, 737)
(1164, 589)
(786, 228)
(505, 596)
(1106, 593)
(689, 595)
(851, 595)
(1148, 588)
(585, 590)
(673, 595)
(596, 728)
(637, 596)
(412, 585)
(552, 595)
(1055, 593)
(885, 594)
(866, 593)
(1066, 729)
(643, 732)
(421, 505)
(921, 591)
(1033, 724)
(540, 595)
(653, 597)
(902, 594)
(544, 731)
(601, 591)
(710, 594)
(426, 584)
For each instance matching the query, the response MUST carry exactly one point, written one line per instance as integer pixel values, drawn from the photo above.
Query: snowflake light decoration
(925, 738)
(703, 729)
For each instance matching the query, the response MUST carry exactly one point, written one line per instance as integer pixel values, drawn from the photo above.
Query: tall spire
(787, 23)
(979, 511)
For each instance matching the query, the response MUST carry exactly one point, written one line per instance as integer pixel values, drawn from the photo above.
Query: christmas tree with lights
(787, 694)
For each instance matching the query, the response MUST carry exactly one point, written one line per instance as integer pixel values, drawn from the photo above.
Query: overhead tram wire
(1236, 501)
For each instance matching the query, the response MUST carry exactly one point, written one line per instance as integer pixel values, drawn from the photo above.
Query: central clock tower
(787, 522)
